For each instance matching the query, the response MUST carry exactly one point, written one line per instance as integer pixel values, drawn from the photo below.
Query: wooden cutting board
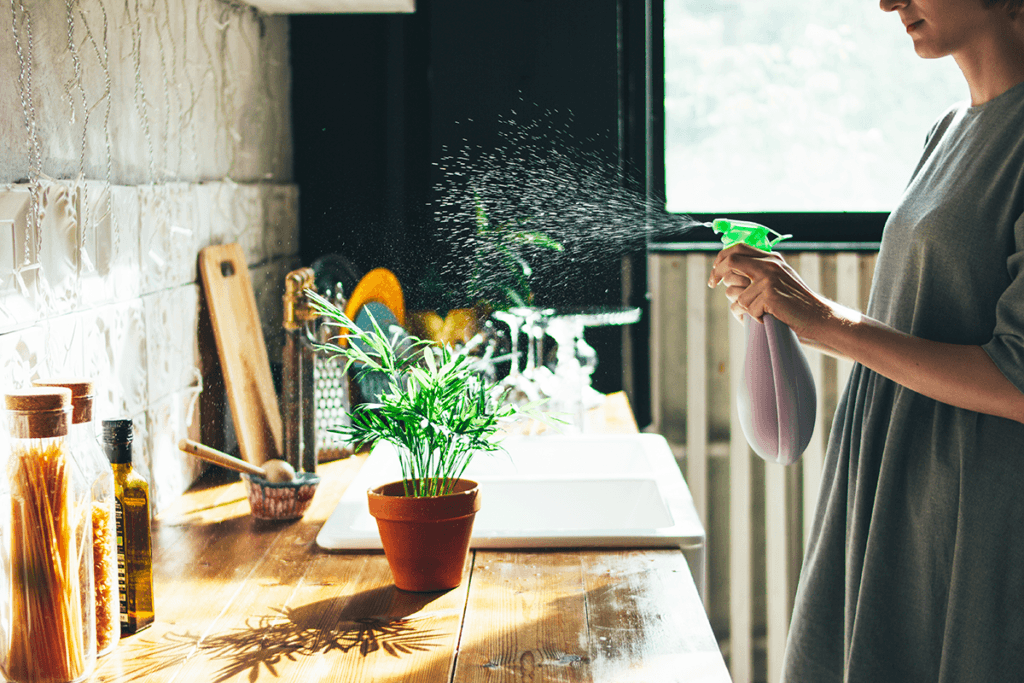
(242, 352)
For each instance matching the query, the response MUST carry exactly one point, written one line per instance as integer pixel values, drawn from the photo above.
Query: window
(784, 106)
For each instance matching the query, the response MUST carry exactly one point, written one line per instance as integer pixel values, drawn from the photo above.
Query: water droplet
(539, 181)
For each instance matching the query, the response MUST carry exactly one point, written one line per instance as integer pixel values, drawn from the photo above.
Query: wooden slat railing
(756, 515)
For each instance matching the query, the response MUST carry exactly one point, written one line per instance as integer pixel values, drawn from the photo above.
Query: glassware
(535, 326)
(100, 477)
(566, 384)
(48, 622)
(514, 323)
(529, 321)
(570, 386)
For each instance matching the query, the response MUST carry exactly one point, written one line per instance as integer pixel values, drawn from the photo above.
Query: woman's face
(943, 27)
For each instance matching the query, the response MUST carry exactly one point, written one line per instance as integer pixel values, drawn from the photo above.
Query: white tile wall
(20, 352)
(171, 470)
(169, 235)
(114, 347)
(167, 127)
(56, 249)
(111, 224)
(141, 92)
(17, 284)
(117, 297)
(172, 359)
(63, 348)
(235, 214)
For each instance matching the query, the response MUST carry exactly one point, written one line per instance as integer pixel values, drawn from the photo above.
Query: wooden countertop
(238, 599)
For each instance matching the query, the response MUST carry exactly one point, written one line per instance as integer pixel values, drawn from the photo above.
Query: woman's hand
(758, 282)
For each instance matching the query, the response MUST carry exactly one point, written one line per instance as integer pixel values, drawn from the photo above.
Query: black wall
(380, 100)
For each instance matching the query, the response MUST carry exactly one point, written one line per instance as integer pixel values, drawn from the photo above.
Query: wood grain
(238, 599)
(216, 566)
(585, 615)
(646, 619)
(525, 619)
(242, 351)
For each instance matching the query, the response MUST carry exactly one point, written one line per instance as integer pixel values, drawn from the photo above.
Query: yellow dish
(379, 285)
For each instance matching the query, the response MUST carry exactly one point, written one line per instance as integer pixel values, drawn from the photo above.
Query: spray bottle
(776, 402)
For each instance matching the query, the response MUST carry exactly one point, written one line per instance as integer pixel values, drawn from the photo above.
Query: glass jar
(49, 629)
(84, 443)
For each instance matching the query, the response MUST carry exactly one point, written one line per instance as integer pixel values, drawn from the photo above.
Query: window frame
(830, 230)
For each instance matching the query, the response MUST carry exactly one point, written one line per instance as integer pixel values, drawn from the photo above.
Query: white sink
(626, 505)
(554, 491)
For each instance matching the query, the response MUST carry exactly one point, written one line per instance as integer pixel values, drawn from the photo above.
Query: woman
(915, 568)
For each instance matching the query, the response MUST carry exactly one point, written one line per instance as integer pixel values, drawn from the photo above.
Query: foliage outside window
(788, 106)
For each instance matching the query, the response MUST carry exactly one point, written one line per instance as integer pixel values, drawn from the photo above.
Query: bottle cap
(118, 431)
(117, 440)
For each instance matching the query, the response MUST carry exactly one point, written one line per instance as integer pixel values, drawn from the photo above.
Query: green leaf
(482, 221)
(537, 239)
(436, 410)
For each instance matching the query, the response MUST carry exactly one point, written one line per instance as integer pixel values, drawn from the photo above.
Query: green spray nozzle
(745, 232)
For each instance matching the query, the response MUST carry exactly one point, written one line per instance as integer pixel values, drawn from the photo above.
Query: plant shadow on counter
(381, 620)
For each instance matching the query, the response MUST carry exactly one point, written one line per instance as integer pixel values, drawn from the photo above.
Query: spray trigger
(745, 232)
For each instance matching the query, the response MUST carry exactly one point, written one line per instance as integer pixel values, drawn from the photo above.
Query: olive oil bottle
(134, 536)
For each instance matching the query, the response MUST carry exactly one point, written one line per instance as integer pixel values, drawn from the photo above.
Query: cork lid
(39, 412)
(79, 386)
(38, 399)
(81, 394)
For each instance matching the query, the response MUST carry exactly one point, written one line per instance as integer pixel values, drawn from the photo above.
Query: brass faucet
(297, 310)
(300, 448)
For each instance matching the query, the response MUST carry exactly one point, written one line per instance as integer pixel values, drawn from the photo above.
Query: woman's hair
(1012, 6)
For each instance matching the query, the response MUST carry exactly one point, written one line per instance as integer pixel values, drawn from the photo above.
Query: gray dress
(915, 569)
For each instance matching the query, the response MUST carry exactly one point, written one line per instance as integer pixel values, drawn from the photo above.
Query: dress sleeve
(1006, 348)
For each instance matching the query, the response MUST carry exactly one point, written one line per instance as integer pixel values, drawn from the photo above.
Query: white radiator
(756, 514)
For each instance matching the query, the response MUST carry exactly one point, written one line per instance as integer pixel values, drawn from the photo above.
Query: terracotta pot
(426, 540)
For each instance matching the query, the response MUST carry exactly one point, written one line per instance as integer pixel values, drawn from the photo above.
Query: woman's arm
(960, 375)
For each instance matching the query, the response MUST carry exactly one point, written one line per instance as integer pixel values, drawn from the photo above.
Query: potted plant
(438, 412)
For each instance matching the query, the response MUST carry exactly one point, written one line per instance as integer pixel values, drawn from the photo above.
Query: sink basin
(553, 491)
(626, 505)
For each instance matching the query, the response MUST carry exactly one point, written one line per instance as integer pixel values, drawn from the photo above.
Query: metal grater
(331, 404)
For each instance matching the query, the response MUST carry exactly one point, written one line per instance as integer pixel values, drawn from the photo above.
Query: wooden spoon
(274, 471)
